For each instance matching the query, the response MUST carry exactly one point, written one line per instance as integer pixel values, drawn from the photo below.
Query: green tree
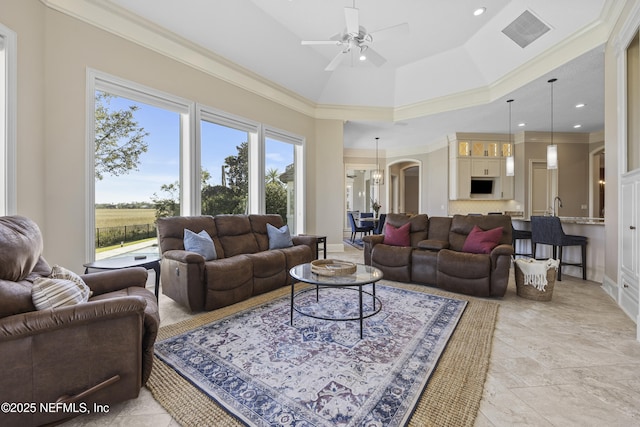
(119, 139)
(272, 175)
(169, 204)
(276, 199)
(237, 168)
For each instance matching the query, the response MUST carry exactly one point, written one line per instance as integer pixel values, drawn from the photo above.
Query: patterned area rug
(319, 372)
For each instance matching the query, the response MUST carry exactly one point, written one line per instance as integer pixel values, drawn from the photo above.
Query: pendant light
(552, 149)
(377, 174)
(510, 162)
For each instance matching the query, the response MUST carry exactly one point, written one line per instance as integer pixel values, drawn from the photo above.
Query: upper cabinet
(485, 149)
(474, 161)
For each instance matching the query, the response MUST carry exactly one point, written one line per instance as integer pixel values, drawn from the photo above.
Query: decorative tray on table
(332, 267)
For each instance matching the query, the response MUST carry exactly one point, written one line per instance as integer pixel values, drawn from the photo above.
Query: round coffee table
(364, 275)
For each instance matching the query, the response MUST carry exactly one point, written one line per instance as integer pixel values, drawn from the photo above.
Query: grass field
(122, 217)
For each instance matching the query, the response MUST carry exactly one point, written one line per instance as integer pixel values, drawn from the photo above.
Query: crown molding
(109, 17)
(118, 21)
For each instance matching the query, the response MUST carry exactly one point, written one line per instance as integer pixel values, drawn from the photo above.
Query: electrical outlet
(583, 207)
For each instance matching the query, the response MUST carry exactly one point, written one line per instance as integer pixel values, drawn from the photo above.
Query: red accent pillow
(397, 236)
(482, 242)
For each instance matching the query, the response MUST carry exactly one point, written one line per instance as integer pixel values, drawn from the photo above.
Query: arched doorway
(405, 186)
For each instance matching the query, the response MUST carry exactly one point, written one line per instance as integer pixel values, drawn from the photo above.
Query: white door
(543, 185)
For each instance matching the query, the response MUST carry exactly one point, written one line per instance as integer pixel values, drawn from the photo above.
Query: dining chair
(355, 228)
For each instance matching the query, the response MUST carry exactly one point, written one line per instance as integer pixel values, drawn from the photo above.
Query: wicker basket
(531, 292)
(332, 267)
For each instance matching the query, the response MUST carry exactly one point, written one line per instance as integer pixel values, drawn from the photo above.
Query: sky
(161, 163)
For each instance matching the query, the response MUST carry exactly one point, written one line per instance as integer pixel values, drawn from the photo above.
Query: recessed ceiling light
(522, 125)
(580, 105)
(577, 126)
(479, 11)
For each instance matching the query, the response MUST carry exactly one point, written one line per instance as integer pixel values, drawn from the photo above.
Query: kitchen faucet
(554, 204)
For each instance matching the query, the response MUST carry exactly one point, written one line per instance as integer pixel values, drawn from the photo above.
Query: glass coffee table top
(363, 275)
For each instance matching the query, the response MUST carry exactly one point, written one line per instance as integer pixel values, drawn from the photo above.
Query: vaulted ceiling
(451, 71)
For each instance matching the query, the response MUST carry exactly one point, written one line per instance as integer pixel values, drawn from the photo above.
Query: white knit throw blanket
(535, 272)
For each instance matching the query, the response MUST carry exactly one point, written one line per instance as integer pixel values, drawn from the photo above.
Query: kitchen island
(591, 228)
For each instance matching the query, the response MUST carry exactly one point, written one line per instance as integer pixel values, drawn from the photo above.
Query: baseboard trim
(610, 286)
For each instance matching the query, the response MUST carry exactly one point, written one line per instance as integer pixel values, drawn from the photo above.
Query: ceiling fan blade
(335, 62)
(375, 58)
(391, 32)
(353, 22)
(320, 42)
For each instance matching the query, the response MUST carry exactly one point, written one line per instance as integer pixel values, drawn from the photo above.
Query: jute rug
(452, 396)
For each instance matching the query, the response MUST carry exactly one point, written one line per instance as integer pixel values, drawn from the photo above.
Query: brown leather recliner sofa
(435, 256)
(100, 351)
(244, 267)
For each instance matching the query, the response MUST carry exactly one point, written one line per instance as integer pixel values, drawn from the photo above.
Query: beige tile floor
(573, 361)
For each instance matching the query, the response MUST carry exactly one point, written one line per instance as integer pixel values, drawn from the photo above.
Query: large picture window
(225, 144)
(153, 154)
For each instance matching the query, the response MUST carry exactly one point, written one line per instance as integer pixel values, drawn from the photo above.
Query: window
(135, 154)
(8, 107)
(283, 178)
(194, 160)
(225, 146)
(137, 169)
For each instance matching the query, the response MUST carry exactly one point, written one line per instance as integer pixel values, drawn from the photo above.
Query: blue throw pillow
(200, 243)
(279, 237)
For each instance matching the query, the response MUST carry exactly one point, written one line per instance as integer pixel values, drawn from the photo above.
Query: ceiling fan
(357, 38)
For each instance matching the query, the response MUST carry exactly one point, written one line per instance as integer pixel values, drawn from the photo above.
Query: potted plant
(375, 206)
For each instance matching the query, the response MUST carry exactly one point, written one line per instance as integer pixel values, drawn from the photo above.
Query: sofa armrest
(103, 282)
(369, 242)
(43, 321)
(433, 245)
(183, 256)
(500, 250)
(311, 241)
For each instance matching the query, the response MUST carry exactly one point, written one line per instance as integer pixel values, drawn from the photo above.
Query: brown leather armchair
(71, 357)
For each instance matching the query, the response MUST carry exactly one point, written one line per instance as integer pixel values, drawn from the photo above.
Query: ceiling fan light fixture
(363, 56)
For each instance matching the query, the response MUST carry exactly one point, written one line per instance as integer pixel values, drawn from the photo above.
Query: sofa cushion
(48, 292)
(279, 238)
(259, 227)
(394, 261)
(200, 243)
(461, 226)
(228, 281)
(21, 247)
(235, 234)
(482, 242)
(397, 236)
(419, 224)
(171, 231)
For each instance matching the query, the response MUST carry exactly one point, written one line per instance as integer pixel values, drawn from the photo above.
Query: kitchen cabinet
(459, 178)
(485, 149)
(485, 167)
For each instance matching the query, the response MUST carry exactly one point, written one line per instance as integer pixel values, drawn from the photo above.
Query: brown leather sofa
(436, 258)
(245, 266)
(100, 351)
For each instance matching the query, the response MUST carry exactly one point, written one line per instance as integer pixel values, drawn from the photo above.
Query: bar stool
(520, 235)
(547, 230)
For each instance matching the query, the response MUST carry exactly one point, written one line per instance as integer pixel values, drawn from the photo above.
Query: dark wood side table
(319, 239)
(117, 263)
